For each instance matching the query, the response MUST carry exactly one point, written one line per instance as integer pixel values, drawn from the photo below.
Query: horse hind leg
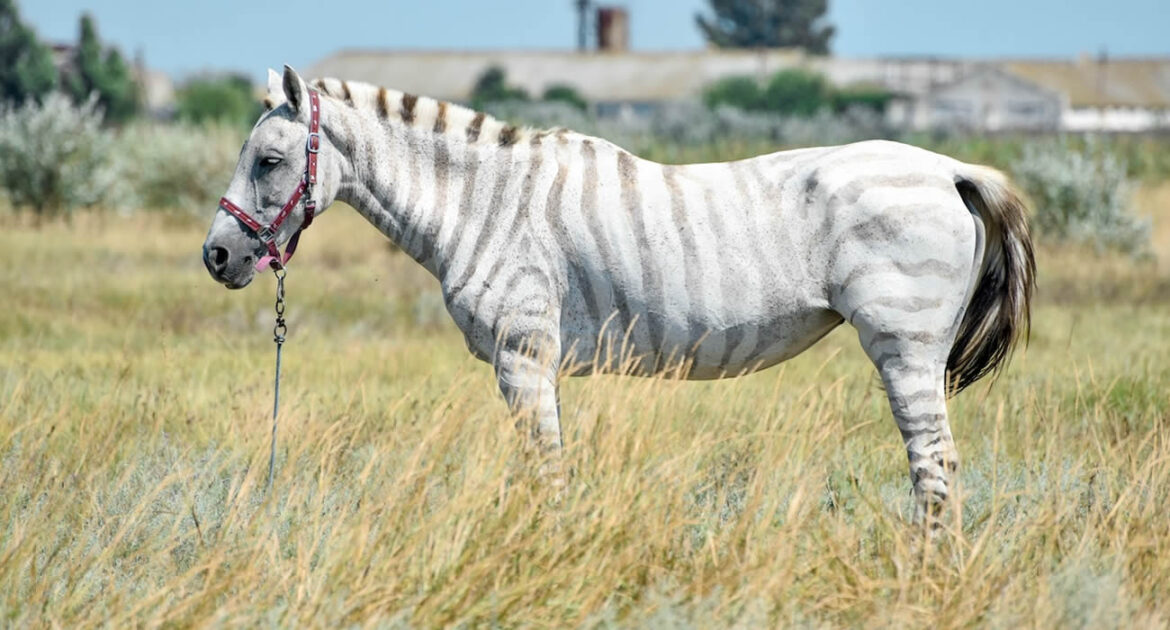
(906, 325)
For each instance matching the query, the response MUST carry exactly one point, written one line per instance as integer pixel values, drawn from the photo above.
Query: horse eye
(269, 162)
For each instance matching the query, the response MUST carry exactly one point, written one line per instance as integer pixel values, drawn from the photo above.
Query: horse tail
(999, 310)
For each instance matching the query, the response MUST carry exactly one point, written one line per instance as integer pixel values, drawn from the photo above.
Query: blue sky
(250, 35)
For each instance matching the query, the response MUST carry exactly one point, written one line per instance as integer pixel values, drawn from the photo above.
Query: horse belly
(609, 332)
(766, 309)
(756, 345)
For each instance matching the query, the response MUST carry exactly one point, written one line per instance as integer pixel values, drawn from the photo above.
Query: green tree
(55, 156)
(768, 24)
(102, 71)
(798, 92)
(875, 98)
(492, 87)
(26, 71)
(565, 94)
(740, 92)
(228, 99)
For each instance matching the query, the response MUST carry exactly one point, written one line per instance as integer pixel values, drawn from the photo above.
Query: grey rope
(278, 334)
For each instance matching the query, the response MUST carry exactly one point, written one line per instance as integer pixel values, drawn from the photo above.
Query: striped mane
(422, 112)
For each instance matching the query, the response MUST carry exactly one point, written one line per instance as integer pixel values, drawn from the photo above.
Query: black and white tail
(999, 310)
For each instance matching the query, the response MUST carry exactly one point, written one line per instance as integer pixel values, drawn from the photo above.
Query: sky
(187, 37)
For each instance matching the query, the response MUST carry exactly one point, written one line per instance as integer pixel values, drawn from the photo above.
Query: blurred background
(1072, 98)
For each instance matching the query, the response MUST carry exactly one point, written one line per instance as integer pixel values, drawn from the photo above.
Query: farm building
(1116, 95)
(613, 81)
(983, 99)
(1105, 94)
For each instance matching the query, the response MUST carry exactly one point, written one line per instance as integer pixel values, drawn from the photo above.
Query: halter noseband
(267, 233)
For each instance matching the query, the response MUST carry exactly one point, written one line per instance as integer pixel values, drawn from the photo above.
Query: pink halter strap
(267, 233)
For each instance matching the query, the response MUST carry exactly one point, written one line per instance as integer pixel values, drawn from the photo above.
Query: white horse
(561, 253)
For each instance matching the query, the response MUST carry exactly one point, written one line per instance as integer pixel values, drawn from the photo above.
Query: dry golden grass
(133, 441)
(1153, 201)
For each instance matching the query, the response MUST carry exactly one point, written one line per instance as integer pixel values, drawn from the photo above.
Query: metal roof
(598, 76)
(666, 76)
(1090, 82)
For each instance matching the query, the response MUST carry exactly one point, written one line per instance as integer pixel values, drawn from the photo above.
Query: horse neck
(411, 182)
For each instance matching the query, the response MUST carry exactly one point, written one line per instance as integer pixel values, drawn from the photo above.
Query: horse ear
(275, 96)
(295, 91)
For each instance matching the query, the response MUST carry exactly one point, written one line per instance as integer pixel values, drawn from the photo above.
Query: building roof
(1089, 82)
(989, 78)
(598, 76)
(665, 76)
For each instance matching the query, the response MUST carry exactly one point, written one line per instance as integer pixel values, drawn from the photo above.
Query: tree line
(90, 70)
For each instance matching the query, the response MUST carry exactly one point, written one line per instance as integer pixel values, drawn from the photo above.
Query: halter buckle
(266, 234)
(313, 142)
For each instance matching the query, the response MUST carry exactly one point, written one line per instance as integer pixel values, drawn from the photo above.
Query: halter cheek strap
(267, 233)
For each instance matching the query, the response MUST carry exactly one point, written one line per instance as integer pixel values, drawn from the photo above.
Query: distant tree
(228, 99)
(875, 98)
(565, 94)
(104, 72)
(492, 87)
(55, 156)
(741, 92)
(26, 71)
(798, 92)
(768, 24)
(795, 92)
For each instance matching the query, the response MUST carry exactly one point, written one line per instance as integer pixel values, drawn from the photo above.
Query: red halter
(267, 233)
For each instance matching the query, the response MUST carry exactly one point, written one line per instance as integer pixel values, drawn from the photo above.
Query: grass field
(134, 401)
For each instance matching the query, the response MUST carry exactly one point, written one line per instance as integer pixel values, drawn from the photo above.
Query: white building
(1102, 94)
(1117, 95)
(984, 99)
(607, 79)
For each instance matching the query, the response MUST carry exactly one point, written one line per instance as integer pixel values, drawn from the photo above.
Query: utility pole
(582, 25)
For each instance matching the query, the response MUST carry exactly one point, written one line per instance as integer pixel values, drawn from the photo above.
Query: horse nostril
(217, 259)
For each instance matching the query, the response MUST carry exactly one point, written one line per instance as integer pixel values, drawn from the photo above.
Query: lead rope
(278, 333)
